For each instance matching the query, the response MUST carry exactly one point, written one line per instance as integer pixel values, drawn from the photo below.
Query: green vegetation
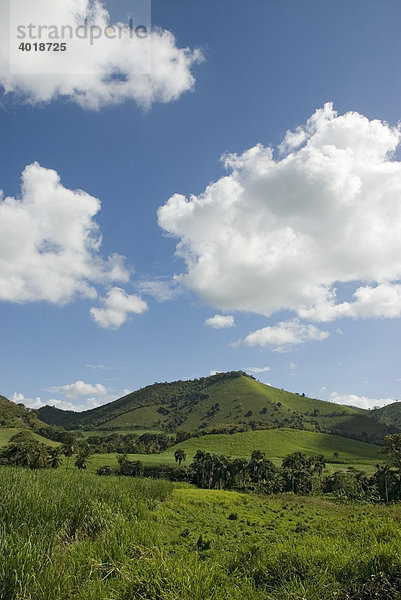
(389, 415)
(6, 433)
(16, 415)
(70, 535)
(277, 443)
(222, 403)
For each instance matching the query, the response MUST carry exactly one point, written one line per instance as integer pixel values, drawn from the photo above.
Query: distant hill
(16, 415)
(389, 415)
(225, 402)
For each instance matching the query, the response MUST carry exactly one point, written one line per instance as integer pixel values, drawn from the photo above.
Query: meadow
(275, 443)
(69, 535)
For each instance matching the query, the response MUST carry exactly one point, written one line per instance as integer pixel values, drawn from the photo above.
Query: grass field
(76, 536)
(276, 443)
(106, 432)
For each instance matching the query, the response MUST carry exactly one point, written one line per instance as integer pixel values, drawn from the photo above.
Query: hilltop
(224, 403)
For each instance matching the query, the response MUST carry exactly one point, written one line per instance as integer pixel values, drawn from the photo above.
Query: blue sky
(266, 68)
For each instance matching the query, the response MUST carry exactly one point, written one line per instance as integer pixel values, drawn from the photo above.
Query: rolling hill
(225, 403)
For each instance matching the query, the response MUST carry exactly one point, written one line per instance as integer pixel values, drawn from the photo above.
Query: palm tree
(81, 461)
(180, 456)
(298, 470)
(83, 455)
(318, 463)
(55, 459)
(68, 450)
(40, 457)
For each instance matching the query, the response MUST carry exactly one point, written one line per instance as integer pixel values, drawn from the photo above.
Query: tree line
(298, 474)
(23, 450)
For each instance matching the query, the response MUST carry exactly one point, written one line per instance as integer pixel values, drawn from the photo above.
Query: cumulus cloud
(284, 233)
(258, 369)
(50, 249)
(384, 300)
(285, 334)
(80, 388)
(117, 305)
(109, 71)
(49, 242)
(359, 401)
(220, 321)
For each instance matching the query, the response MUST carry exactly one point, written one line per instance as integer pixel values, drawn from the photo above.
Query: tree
(83, 455)
(81, 461)
(392, 448)
(298, 471)
(54, 459)
(180, 456)
(68, 450)
(318, 463)
(387, 483)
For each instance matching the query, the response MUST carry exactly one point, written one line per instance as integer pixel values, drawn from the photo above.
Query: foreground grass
(74, 536)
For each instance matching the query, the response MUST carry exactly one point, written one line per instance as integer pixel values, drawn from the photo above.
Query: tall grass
(61, 532)
(69, 535)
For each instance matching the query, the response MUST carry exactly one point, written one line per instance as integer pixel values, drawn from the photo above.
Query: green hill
(222, 403)
(16, 415)
(389, 415)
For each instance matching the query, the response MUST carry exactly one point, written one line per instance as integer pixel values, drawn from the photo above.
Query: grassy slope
(388, 415)
(276, 443)
(7, 432)
(100, 538)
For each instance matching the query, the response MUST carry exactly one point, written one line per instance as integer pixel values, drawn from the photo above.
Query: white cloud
(293, 365)
(258, 369)
(49, 242)
(108, 72)
(384, 300)
(50, 249)
(285, 334)
(359, 401)
(162, 291)
(80, 388)
(117, 305)
(220, 321)
(282, 234)
(86, 404)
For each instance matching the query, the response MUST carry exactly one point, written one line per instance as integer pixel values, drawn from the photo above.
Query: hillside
(389, 415)
(6, 433)
(223, 403)
(16, 415)
(277, 443)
